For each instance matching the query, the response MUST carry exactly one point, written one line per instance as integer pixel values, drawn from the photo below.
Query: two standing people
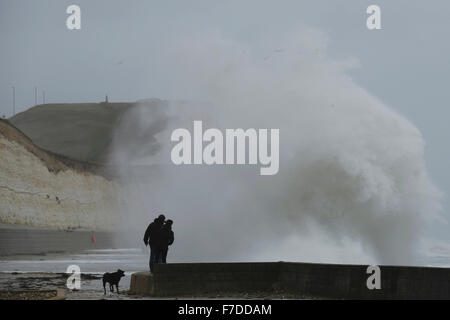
(159, 236)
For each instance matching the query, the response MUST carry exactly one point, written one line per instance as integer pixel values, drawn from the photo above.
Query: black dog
(112, 279)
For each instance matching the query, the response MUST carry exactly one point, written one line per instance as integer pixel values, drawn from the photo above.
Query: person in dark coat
(152, 237)
(167, 238)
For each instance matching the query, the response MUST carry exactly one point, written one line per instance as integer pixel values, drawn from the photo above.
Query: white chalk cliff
(39, 189)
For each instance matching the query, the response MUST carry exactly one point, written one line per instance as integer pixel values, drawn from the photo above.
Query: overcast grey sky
(406, 64)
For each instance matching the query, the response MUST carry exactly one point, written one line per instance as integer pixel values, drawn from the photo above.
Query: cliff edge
(42, 189)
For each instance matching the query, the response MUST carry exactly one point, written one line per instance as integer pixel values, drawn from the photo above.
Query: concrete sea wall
(303, 280)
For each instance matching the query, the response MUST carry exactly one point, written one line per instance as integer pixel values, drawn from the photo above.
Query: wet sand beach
(48, 271)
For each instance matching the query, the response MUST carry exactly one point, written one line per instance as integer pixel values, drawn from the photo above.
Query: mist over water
(352, 185)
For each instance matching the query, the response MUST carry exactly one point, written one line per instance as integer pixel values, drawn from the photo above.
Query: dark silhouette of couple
(159, 236)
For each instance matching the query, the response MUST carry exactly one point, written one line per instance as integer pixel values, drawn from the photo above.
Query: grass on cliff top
(80, 131)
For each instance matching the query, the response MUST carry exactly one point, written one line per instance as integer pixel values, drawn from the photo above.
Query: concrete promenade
(302, 280)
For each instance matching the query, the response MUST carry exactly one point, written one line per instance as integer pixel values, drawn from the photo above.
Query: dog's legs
(117, 288)
(111, 287)
(104, 286)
